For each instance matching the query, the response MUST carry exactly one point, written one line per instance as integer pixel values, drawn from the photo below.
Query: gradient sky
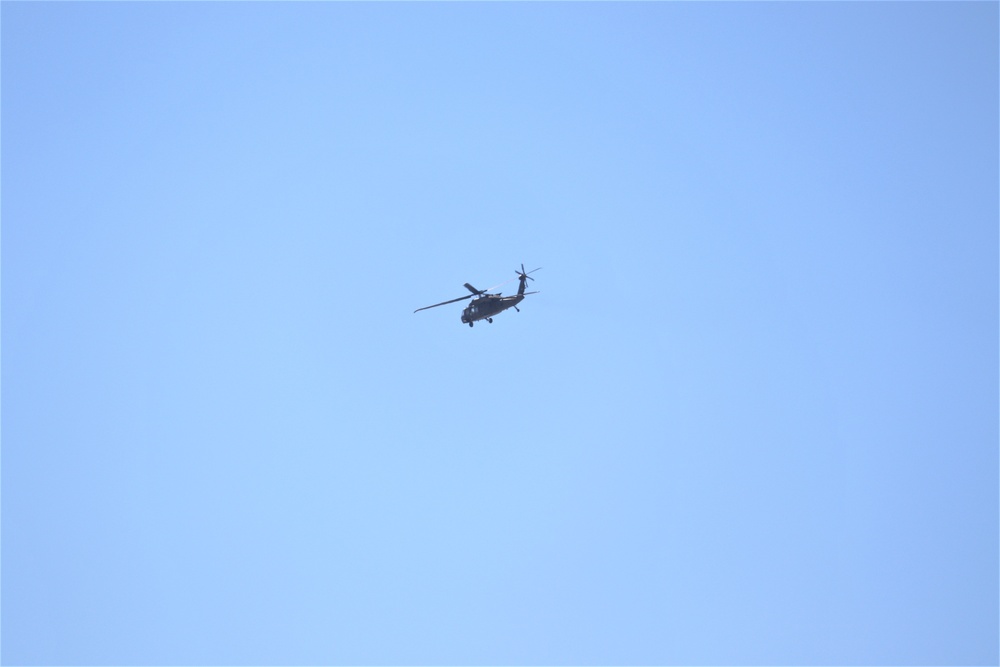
(751, 418)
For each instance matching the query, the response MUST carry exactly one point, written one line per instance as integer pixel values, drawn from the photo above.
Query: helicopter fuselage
(485, 307)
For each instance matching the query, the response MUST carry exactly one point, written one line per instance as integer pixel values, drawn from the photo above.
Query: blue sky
(751, 418)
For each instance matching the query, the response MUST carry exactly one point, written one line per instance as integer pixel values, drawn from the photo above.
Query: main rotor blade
(490, 289)
(476, 292)
(461, 298)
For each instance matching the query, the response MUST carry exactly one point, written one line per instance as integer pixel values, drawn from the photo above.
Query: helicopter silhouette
(485, 305)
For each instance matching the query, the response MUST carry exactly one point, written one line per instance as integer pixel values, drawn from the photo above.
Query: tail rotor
(523, 275)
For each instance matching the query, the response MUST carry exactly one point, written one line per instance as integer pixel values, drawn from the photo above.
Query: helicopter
(486, 305)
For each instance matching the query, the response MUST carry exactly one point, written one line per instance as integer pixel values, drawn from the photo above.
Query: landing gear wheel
(470, 325)
(490, 320)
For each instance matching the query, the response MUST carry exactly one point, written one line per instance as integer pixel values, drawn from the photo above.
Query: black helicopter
(485, 306)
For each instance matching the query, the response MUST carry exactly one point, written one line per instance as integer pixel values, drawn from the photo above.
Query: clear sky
(751, 418)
